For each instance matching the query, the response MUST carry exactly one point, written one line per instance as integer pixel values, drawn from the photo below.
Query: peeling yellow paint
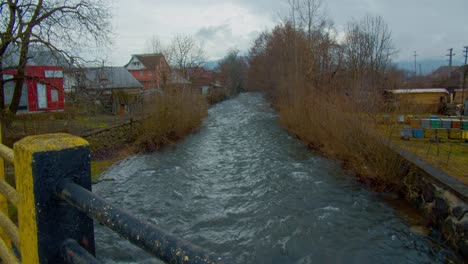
(24, 151)
(51, 142)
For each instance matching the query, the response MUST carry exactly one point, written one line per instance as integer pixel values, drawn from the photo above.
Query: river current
(245, 189)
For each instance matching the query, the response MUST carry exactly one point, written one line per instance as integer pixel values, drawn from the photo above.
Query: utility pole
(450, 55)
(420, 69)
(415, 63)
(466, 55)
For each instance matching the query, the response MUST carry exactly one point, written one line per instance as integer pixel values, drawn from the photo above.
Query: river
(243, 188)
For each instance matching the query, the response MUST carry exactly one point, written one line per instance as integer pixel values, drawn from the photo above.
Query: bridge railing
(56, 208)
(9, 233)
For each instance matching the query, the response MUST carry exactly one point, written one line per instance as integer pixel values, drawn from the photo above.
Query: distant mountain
(211, 65)
(427, 65)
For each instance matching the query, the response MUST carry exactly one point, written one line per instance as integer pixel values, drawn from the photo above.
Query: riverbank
(385, 167)
(112, 145)
(244, 188)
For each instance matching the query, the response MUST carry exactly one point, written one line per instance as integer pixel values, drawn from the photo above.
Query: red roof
(150, 61)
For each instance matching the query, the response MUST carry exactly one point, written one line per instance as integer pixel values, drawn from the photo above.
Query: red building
(42, 88)
(151, 70)
(203, 80)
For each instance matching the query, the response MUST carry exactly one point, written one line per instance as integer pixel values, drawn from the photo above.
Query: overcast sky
(428, 26)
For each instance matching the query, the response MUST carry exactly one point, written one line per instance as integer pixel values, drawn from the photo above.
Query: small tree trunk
(20, 75)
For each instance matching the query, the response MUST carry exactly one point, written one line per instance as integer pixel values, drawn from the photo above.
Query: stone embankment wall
(115, 136)
(441, 197)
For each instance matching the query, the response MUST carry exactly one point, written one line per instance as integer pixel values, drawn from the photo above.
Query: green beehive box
(436, 123)
(464, 124)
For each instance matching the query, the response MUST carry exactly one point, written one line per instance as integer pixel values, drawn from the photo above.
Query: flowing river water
(243, 188)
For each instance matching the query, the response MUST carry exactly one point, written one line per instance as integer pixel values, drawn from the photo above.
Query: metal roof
(415, 91)
(37, 56)
(109, 78)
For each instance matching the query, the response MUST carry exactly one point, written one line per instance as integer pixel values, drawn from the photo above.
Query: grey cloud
(213, 32)
(428, 26)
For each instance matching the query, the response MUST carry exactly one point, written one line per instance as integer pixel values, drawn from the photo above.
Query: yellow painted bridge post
(45, 222)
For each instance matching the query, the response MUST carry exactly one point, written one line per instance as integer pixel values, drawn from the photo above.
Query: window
(142, 73)
(150, 73)
(135, 63)
(54, 95)
(41, 96)
(53, 74)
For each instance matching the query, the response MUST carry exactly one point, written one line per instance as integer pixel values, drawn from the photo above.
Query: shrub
(169, 117)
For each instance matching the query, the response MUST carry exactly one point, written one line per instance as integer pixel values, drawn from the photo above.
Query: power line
(466, 55)
(450, 55)
(415, 63)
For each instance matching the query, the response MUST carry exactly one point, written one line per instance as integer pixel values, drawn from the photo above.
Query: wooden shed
(424, 100)
(460, 96)
(113, 88)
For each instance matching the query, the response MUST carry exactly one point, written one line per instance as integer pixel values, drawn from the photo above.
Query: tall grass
(342, 128)
(169, 117)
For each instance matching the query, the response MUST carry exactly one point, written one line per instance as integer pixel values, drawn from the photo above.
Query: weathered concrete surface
(441, 197)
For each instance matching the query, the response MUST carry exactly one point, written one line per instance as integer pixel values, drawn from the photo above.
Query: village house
(43, 86)
(113, 89)
(151, 70)
(203, 81)
(422, 100)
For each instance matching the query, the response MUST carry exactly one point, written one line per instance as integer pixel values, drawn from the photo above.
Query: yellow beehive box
(455, 134)
(464, 134)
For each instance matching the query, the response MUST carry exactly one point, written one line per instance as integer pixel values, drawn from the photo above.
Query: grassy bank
(168, 119)
(340, 129)
(449, 155)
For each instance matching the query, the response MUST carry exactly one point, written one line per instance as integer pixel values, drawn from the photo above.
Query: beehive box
(418, 133)
(406, 133)
(456, 124)
(455, 134)
(464, 124)
(447, 123)
(415, 123)
(425, 123)
(436, 123)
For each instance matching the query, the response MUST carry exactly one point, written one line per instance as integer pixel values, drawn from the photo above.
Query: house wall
(37, 74)
(458, 98)
(148, 78)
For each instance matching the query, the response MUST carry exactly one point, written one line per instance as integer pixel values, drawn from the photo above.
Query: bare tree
(184, 54)
(233, 70)
(368, 50)
(64, 27)
(154, 45)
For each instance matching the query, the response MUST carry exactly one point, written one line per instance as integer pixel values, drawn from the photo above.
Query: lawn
(449, 155)
(34, 124)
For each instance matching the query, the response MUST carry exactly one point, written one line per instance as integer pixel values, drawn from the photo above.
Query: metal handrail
(9, 192)
(7, 153)
(7, 255)
(10, 229)
(143, 234)
(73, 253)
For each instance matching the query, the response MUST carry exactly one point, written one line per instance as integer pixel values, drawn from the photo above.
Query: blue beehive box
(447, 123)
(426, 123)
(406, 132)
(418, 133)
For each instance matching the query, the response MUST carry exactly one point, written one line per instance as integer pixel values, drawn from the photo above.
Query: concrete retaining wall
(442, 198)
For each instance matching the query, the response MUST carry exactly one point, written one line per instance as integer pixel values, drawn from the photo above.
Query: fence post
(45, 221)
